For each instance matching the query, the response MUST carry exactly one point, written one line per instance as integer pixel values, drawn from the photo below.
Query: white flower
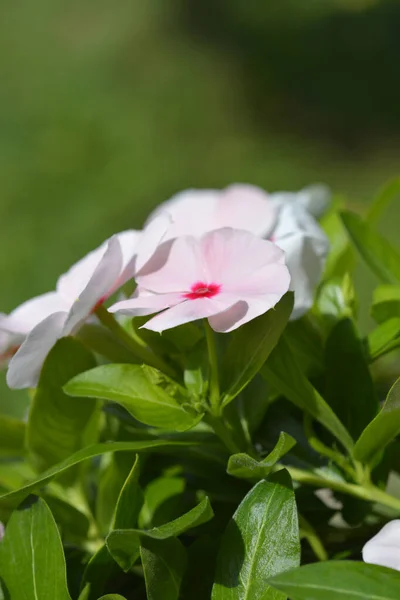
(384, 548)
(282, 217)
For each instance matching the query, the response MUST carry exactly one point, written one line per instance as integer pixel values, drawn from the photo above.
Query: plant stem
(213, 360)
(370, 493)
(308, 531)
(222, 431)
(139, 351)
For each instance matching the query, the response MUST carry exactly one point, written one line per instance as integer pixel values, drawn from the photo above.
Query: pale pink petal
(73, 282)
(25, 366)
(248, 207)
(233, 256)
(195, 212)
(384, 548)
(26, 316)
(187, 311)
(243, 311)
(145, 304)
(150, 238)
(314, 198)
(98, 287)
(176, 267)
(128, 241)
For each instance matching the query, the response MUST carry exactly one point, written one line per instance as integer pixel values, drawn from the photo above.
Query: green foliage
(145, 479)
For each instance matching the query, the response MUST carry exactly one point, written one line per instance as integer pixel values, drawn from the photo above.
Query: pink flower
(283, 217)
(229, 276)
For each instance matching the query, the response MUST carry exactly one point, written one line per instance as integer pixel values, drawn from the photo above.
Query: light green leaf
(112, 597)
(159, 497)
(250, 347)
(12, 499)
(283, 372)
(261, 540)
(384, 338)
(340, 259)
(382, 430)
(57, 424)
(145, 392)
(381, 257)
(383, 199)
(246, 467)
(32, 564)
(385, 302)
(164, 564)
(101, 341)
(349, 388)
(347, 580)
(12, 436)
(124, 544)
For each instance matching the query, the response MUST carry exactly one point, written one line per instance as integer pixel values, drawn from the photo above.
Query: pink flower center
(203, 290)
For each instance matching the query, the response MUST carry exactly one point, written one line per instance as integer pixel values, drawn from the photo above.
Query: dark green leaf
(162, 497)
(383, 199)
(12, 499)
(112, 597)
(199, 575)
(385, 303)
(381, 257)
(246, 467)
(101, 341)
(130, 500)
(349, 387)
(261, 540)
(124, 544)
(163, 563)
(12, 436)
(32, 564)
(250, 347)
(384, 338)
(99, 570)
(145, 392)
(283, 372)
(332, 580)
(382, 430)
(58, 424)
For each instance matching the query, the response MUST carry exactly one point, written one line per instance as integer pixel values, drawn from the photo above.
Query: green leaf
(336, 299)
(349, 387)
(101, 341)
(12, 499)
(283, 372)
(124, 544)
(251, 345)
(130, 500)
(32, 564)
(385, 303)
(164, 564)
(112, 597)
(380, 256)
(261, 540)
(339, 579)
(384, 338)
(145, 392)
(246, 467)
(340, 259)
(383, 199)
(57, 424)
(99, 570)
(12, 436)
(162, 498)
(382, 430)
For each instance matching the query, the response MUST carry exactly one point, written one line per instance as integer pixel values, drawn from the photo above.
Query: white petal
(150, 238)
(143, 305)
(306, 247)
(98, 287)
(384, 548)
(190, 310)
(25, 366)
(26, 316)
(73, 282)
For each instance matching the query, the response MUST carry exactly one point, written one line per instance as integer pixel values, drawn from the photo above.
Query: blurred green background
(107, 108)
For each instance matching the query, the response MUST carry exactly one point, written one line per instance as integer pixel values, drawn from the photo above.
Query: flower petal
(98, 287)
(150, 238)
(314, 198)
(142, 305)
(239, 206)
(233, 257)
(26, 316)
(306, 247)
(187, 311)
(175, 267)
(384, 548)
(25, 366)
(128, 241)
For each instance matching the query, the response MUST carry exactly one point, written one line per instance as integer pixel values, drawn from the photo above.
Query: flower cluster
(228, 256)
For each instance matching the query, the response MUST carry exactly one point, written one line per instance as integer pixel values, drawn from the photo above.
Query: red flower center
(202, 290)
